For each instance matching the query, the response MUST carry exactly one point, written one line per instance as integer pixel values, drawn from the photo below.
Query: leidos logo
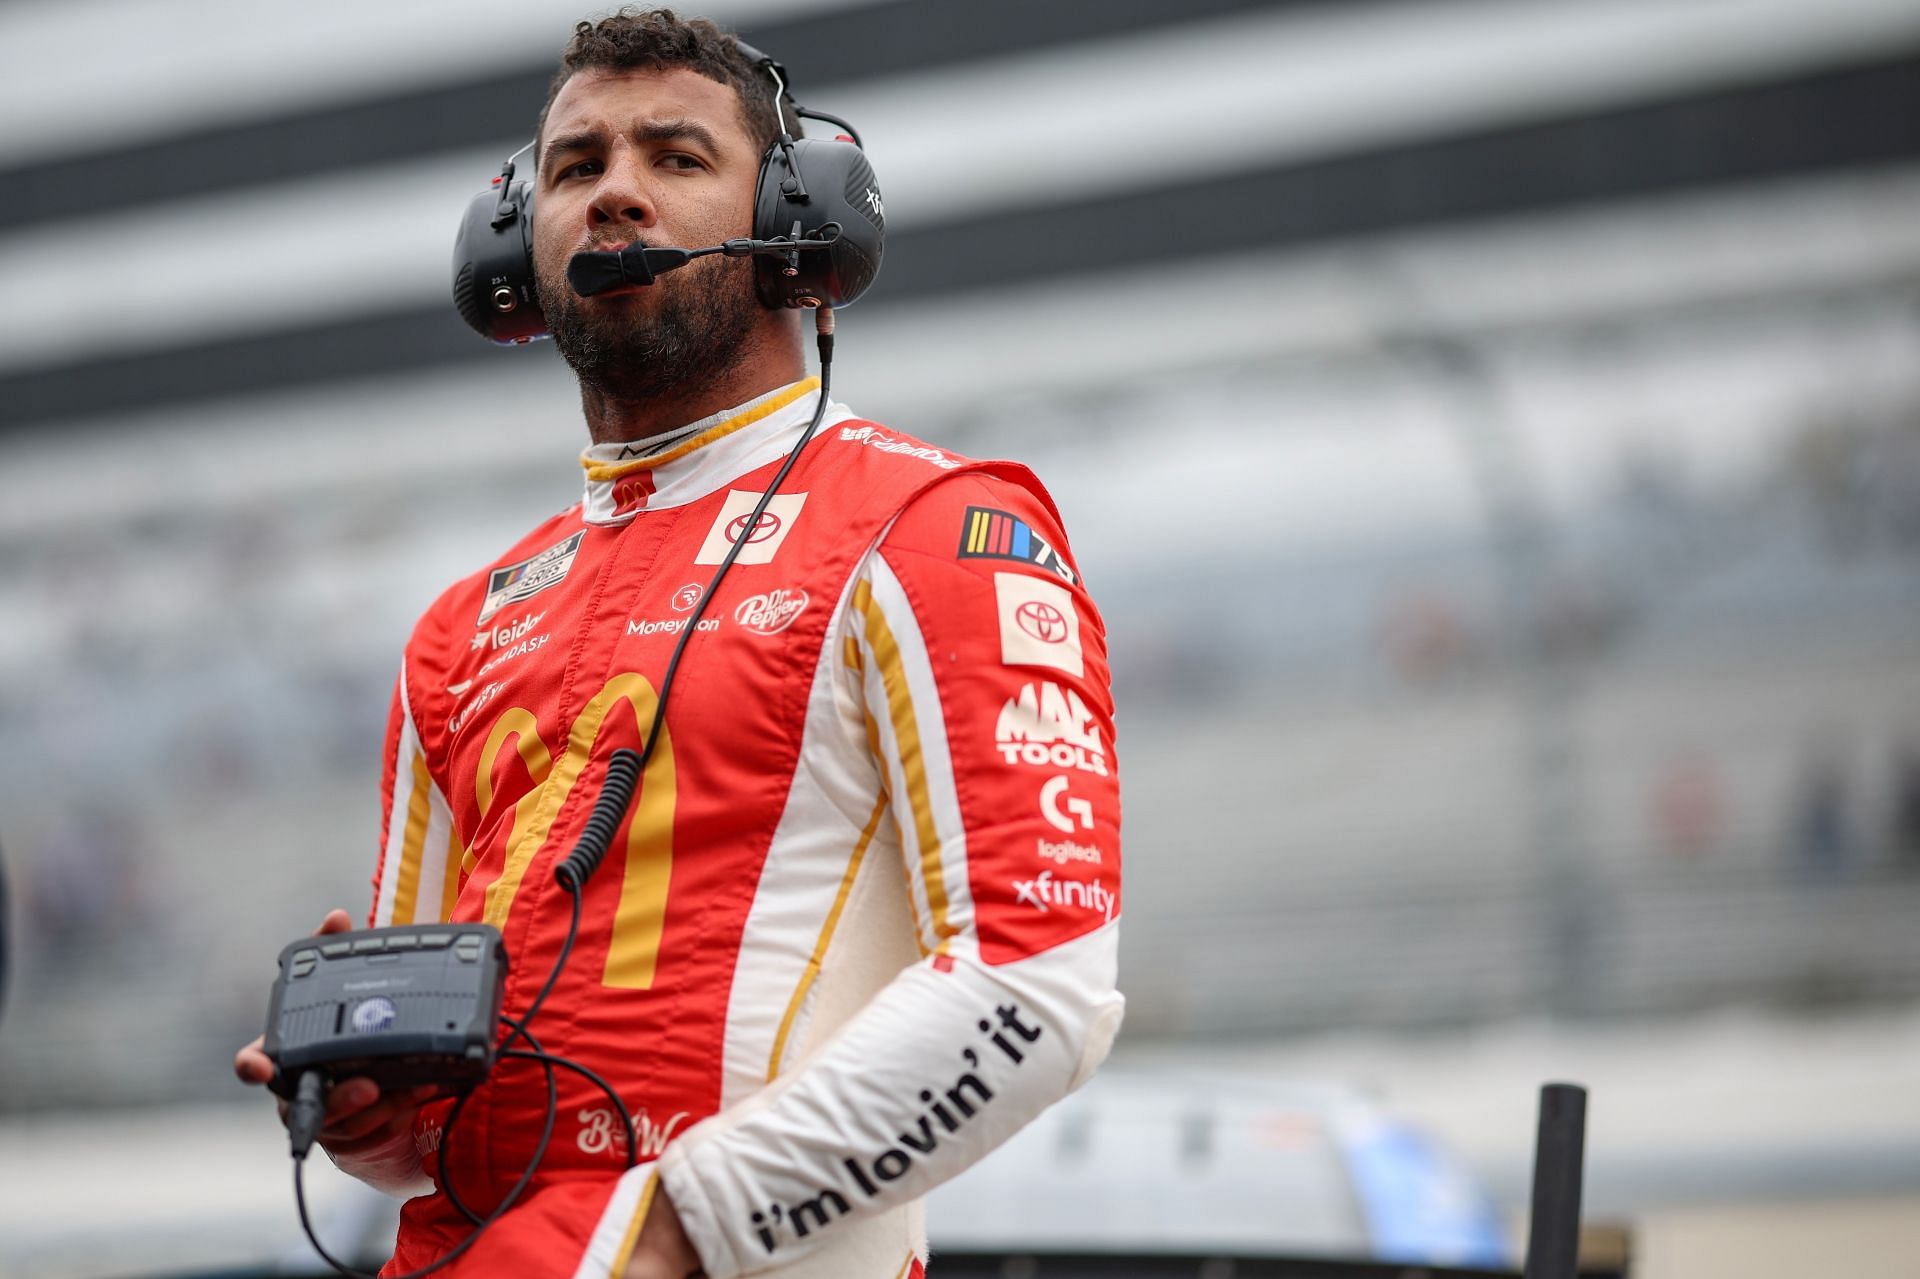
(1050, 726)
(505, 635)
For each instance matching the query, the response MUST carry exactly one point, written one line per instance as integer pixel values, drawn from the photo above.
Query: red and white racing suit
(860, 924)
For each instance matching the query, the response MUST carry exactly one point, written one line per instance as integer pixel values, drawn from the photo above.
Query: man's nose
(622, 196)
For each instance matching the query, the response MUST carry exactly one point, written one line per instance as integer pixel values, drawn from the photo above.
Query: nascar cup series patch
(515, 582)
(1038, 624)
(999, 535)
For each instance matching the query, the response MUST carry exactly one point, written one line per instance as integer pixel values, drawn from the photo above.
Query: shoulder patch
(511, 583)
(1039, 625)
(986, 533)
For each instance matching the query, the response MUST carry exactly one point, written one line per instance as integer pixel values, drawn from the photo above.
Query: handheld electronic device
(400, 1006)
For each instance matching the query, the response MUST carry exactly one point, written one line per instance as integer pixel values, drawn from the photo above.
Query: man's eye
(678, 161)
(586, 169)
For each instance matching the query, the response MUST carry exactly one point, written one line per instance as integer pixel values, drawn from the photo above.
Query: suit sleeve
(981, 665)
(412, 882)
(420, 853)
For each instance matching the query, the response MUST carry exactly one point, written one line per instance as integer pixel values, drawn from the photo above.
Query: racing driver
(859, 925)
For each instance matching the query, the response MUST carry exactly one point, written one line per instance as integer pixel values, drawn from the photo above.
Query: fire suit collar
(692, 461)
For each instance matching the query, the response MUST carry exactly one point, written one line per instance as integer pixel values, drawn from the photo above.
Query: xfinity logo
(1048, 725)
(1043, 892)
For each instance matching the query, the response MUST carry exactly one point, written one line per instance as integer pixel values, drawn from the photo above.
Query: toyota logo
(768, 525)
(1042, 621)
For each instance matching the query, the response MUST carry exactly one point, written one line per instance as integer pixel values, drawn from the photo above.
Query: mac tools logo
(771, 611)
(1050, 726)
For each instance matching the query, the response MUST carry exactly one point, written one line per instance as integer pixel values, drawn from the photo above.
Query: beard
(696, 330)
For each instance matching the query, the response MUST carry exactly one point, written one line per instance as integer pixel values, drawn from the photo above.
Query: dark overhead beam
(822, 52)
(1841, 120)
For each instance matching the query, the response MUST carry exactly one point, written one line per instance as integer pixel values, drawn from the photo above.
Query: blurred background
(1491, 430)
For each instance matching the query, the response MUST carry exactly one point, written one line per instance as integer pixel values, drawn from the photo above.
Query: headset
(819, 227)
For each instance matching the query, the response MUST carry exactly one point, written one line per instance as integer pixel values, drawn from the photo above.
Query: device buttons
(335, 949)
(435, 941)
(469, 949)
(366, 945)
(402, 941)
(304, 962)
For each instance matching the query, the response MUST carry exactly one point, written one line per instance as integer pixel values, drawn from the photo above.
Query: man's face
(662, 157)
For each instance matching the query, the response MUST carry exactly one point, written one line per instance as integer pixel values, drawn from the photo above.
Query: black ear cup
(493, 266)
(826, 191)
(809, 189)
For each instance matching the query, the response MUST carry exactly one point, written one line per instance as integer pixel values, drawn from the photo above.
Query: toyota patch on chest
(512, 583)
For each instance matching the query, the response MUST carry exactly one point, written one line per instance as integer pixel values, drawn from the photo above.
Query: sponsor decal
(687, 596)
(771, 612)
(631, 493)
(515, 582)
(668, 625)
(875, 439)
(601, 1132)
(1038, 623)
(480, 699)
(999, 535)
(1065, 851)
(1069, 814)
(1043, 892)
(461, 687)
(500, 637)
(532, 643)
(371, 1016)
(940, 1115)
(1050, 726)
(763, 540)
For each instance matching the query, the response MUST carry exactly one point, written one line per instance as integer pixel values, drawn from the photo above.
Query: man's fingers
(383, 1117)
(252, 1064)
(337, 921)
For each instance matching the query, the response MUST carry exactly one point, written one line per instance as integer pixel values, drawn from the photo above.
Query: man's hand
(359, 1121)
(663, 1250)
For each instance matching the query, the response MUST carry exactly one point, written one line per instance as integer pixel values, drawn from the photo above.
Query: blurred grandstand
(1492, 431)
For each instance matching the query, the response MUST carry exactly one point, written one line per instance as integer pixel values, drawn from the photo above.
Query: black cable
(751, 526)
(446, 1184)
(598, 1081)
(574, 888)
(553, 976)
(526, 1175)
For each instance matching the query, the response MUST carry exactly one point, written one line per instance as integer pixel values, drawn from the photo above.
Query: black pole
(6, 919)
(1559, 1153)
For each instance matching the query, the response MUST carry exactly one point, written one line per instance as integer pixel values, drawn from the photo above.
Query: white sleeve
(962, 1049)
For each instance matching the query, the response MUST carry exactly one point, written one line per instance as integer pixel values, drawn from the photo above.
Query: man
(859, 925)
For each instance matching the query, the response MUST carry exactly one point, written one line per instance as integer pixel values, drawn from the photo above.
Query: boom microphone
(640, 264)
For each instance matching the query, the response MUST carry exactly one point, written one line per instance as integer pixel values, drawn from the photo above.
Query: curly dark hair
(656, 39)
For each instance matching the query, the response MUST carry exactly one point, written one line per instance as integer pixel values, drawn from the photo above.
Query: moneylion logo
(1047, 725)
(771, 611)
